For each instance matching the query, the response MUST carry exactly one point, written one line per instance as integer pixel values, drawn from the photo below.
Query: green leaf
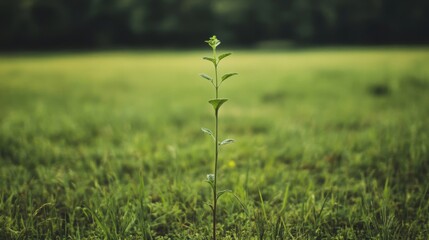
(227, 141)
(220, 193)
(210, 59)
(222, 56)
(208, 131)
(228, 75)
(207, 77)
(216, 103)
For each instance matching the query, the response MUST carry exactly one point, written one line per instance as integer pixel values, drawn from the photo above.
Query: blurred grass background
(331, 143)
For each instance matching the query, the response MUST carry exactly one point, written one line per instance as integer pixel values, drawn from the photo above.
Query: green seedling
(216, 103)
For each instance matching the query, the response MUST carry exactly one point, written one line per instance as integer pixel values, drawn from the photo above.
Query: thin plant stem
(215, 178)
(217, 85)
(216, 152)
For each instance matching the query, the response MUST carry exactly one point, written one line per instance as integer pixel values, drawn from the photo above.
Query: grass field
(330, 144)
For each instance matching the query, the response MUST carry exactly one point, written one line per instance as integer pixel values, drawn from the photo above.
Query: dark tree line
(100, 23)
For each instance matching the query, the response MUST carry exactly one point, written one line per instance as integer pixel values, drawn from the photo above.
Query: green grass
(333, 144)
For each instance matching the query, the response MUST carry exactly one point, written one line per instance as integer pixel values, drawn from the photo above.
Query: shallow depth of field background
(101, 106)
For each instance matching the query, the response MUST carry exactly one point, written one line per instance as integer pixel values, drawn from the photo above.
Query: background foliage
(105, 23)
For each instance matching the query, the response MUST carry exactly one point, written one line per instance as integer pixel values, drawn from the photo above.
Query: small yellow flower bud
(231, 164)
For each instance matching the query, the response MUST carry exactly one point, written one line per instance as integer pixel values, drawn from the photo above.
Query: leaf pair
(216, 62)
(224, 77)
(210, 133)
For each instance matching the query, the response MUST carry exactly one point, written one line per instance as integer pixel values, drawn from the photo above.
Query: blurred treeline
(181, 23)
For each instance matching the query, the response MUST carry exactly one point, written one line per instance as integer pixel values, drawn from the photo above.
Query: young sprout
(216, 103)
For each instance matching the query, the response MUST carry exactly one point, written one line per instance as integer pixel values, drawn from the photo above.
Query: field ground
(330, 144)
